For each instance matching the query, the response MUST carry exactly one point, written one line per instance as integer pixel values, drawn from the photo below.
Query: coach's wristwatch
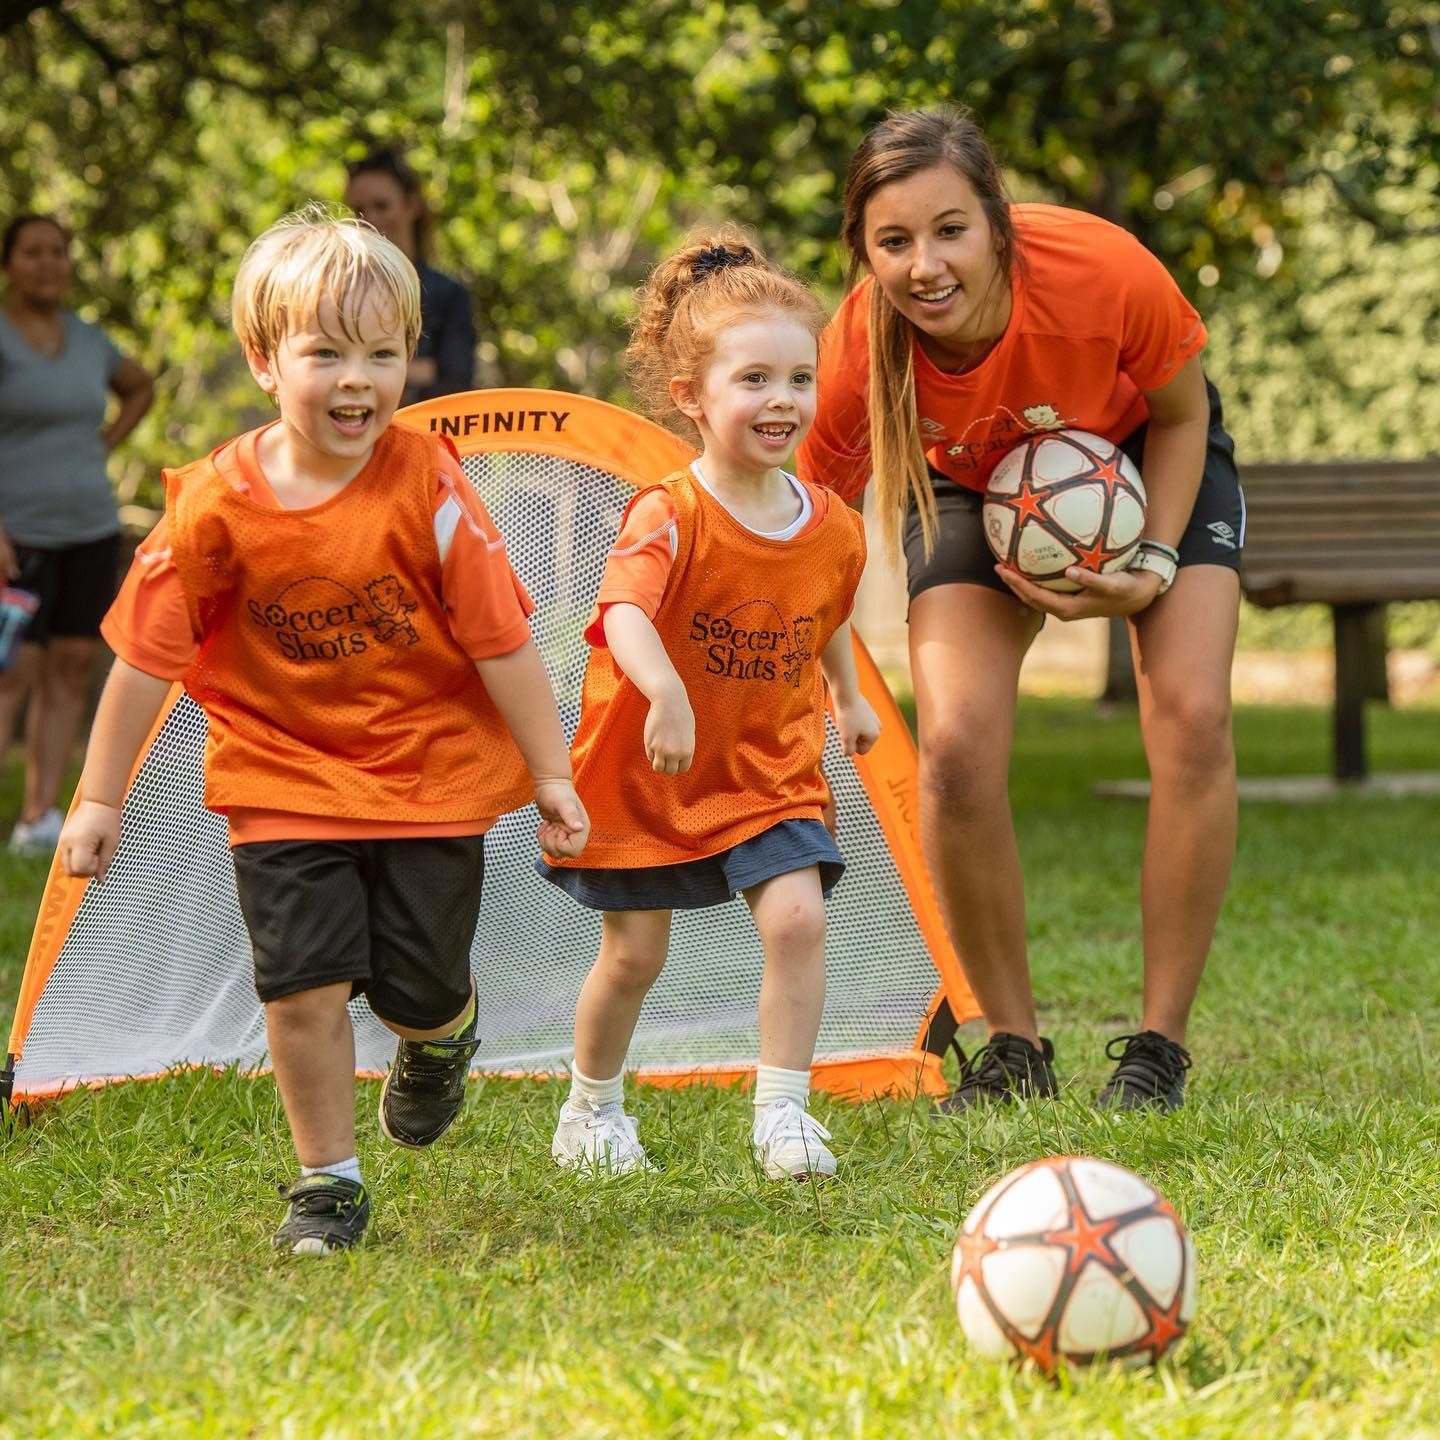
(1161, 560)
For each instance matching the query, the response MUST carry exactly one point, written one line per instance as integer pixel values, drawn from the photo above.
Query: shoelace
(421, 1065)
(783, 1119)
(326, 1199)
(986, 1067)
(1148, 1060)
(615, 1132)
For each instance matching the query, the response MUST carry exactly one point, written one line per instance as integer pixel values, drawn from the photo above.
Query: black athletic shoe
(327, 1213)
(1007, 1067)
(1151, 1072)
(425, 1088)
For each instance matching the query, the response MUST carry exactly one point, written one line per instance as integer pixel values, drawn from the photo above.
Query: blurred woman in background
(59, 530)
(385, 191)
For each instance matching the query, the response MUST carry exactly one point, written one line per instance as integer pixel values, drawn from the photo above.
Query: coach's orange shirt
(744, 620)
(326, 663)
(1096, 319)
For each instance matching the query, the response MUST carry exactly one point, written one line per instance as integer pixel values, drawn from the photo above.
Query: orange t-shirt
(415, 745)
(1096, 320)
(744, 619)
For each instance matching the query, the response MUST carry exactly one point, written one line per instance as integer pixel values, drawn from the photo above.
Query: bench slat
(1315, 552)
(1272, 588)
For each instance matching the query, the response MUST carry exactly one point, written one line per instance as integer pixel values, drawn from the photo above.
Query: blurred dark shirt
(447, 336)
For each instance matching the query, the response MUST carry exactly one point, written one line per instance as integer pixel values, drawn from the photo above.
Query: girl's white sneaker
(598, 1142)
(790, 1143)
(39, 836)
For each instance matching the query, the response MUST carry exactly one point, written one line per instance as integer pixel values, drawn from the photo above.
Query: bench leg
(1353, 682)
(1378, 685)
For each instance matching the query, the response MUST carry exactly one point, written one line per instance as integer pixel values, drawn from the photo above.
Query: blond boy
(337, 599)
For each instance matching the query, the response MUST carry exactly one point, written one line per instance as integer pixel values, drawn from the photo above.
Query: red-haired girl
(727, 594)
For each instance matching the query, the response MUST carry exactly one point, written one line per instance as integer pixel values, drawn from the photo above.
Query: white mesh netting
(155, 971)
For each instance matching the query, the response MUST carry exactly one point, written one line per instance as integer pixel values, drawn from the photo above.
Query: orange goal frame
(639, 452)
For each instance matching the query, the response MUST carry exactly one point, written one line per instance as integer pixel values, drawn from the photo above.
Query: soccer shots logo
(319, 618)
(754, 642)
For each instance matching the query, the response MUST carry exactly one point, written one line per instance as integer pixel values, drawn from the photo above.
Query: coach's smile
(932, 251)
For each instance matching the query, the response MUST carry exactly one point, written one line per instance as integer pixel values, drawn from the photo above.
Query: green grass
(498, 1297)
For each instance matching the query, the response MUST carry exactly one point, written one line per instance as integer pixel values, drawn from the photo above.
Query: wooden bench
(1354, 535)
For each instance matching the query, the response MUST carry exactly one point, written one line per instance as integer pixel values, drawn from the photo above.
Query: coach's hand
(564, 825)
(1125, 592)
(89, 840)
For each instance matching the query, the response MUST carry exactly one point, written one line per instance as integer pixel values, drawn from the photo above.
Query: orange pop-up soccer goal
(151, 970)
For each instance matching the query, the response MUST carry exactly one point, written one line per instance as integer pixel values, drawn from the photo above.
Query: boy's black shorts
(1214, 534)
(395, 918)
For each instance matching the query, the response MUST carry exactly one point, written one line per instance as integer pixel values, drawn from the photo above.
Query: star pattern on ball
(973, 1249)
(1085, 1239)
(1026, 503)
(1166, 1327)
(1041, 1349)
(1096, 557)
(1108, 473)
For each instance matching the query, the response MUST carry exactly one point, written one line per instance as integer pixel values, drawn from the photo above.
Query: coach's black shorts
(395, 918)
(75, 584)
(962, 556)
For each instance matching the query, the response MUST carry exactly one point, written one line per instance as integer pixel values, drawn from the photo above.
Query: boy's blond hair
(312, 256)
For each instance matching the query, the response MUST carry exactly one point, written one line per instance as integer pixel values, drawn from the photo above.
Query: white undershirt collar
(788, 532)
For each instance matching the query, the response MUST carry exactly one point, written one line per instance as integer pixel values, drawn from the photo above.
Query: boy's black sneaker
(1009, 1066)
(1150, 1072)
(425, 1088)
(327, 1213)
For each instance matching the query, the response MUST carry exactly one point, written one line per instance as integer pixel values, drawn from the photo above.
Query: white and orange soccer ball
(1073, 1260)
(1064, 498)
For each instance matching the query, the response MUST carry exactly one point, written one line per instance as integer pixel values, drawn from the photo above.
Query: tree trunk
(1120, 687)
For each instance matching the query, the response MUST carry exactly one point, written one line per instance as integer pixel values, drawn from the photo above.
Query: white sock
(772, 1083)
(592, 1094)
(345, 1169)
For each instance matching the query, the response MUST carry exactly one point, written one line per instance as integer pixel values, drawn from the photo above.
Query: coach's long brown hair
(903, 144)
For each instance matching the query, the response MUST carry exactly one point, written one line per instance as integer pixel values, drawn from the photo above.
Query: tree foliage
(1279, 155)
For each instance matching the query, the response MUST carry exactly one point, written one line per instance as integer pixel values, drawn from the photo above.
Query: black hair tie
(716, 258)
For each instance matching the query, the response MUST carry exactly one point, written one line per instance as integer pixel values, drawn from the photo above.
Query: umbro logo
(1221, 534)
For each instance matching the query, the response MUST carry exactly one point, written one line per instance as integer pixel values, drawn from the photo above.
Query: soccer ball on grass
(1073, 1260)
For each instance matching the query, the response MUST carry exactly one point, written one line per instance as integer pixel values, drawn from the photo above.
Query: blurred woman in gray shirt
(59, 531)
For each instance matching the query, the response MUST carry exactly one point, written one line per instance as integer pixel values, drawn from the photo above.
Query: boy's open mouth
(351, 417)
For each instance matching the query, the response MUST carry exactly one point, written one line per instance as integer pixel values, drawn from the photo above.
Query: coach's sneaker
(425, 1088)
(39, 836)
(1006, 1068)
(327, 1213)
(790, 1142)
(1150, 1073)
(601, 1141)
